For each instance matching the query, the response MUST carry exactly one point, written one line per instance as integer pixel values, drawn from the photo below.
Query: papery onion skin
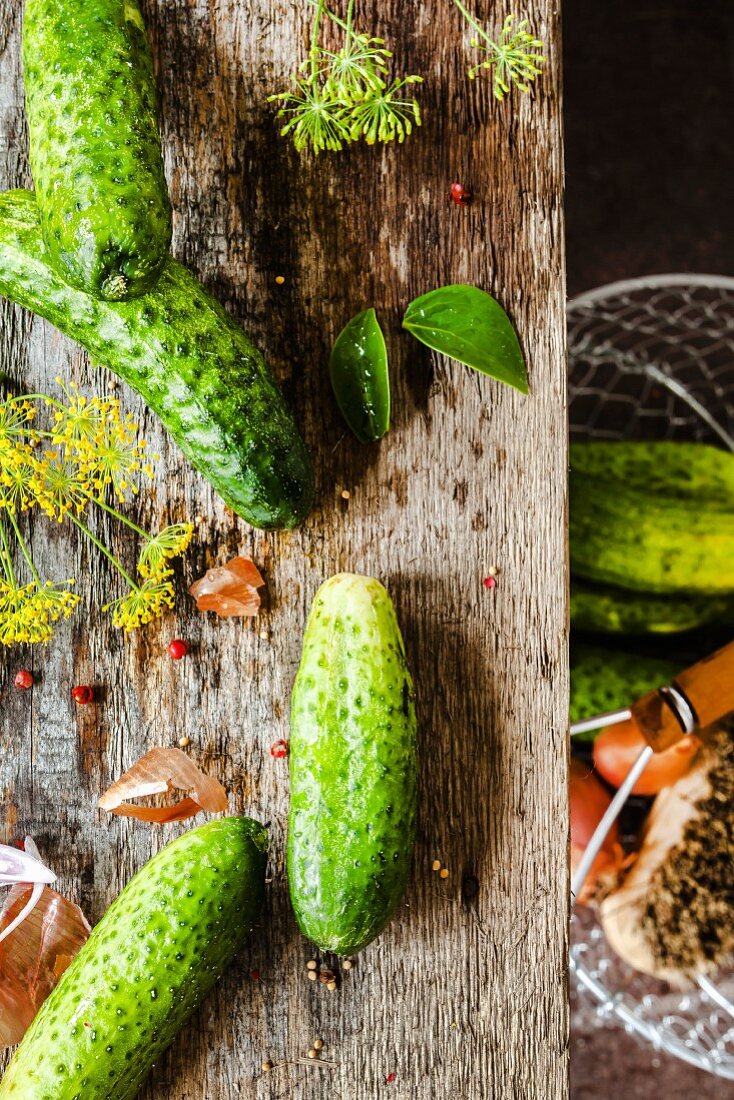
(617, 748)
(230, 589)
(589, 800)
(34, 956)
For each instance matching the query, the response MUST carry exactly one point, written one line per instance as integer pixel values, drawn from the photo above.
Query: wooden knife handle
(708, 690)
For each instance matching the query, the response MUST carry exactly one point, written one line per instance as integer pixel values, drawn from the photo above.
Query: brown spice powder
(689, 917)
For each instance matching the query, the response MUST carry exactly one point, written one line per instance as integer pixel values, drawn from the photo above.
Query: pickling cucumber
(190, 362)
(95, 150)
(353, 765)
(606, 679)
(606, 610)
(647, 530)
(664, 469)
(155, 954)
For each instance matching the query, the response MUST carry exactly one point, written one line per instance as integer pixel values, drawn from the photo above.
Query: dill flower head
(357, 69)
(142, 603)
(105, 445)
(315, 119)
(61, 485)
(16, 415)
(19, 472)
(514, 58)
(386, 114)
(168, 544)
(116, 459)
(28, 612)
(81, 420)
(345, 94)
(88, 449)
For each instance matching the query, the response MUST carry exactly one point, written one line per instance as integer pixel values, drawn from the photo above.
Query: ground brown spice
(689, 916)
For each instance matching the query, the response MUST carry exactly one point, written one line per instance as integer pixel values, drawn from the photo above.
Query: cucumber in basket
(187, 359)
(653, 517)
(155, 954)
(604, 679)
(603, 609)
(95, 151)
(352, 820)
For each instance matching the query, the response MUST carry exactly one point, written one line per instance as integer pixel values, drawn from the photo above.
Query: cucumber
(95, 151)
(606, 679)
(146, 966)
(607, 610)
(353, 765)
(638, 531)
(666, 470)
(190, 363)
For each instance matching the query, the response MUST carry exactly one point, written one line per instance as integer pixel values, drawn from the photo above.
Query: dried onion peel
(23, 865)
(161, 771)
(33, 959)
(672, 916)
(230, 589)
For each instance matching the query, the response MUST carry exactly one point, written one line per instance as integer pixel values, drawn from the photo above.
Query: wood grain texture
(465, 994)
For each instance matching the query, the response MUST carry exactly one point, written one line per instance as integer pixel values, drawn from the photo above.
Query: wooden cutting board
(465, 994)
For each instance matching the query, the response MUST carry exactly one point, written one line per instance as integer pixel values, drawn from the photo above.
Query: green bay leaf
(467, 324)
(359, 376)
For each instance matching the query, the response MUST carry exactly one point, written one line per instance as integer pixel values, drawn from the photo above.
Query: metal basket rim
(651, 282)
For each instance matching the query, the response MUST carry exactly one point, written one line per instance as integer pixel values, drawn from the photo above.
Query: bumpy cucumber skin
(149, 962)
(606, 679)
(653, 533)
(671, 471)
(353, 766)
(606, 610)
(188, 360)
(95, 150)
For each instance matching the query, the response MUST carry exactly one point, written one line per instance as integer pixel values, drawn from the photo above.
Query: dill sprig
(513, 59)
(340, 96)
(88, 453)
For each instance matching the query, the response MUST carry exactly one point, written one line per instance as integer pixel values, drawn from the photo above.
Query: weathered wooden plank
(465, 994)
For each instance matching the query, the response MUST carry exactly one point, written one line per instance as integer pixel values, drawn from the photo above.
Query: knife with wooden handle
(697, 697)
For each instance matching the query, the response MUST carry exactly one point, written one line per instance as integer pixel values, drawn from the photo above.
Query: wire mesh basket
(653, 359)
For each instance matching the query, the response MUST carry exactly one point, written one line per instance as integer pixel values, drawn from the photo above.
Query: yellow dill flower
(82, 419)
(55, 602)
(28, 612)
(117, 457)
(142, 603)
(19, 473)
(163, 547)
(61, 486)
(18, 620)
(15, 416)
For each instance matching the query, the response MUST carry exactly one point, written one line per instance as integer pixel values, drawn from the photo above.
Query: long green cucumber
(666, 470)
(624, 538)
(145, 968)
(188, 360)
(653, 531)
(353, 764)
(606, 679)
(95, 151)
(603, 609)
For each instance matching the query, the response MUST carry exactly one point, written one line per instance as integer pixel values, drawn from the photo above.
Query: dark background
(649, 118)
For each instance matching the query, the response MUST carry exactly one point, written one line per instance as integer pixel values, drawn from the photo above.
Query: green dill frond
(315, 120)
(343, 95)
(386, 115)
(514, 59)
